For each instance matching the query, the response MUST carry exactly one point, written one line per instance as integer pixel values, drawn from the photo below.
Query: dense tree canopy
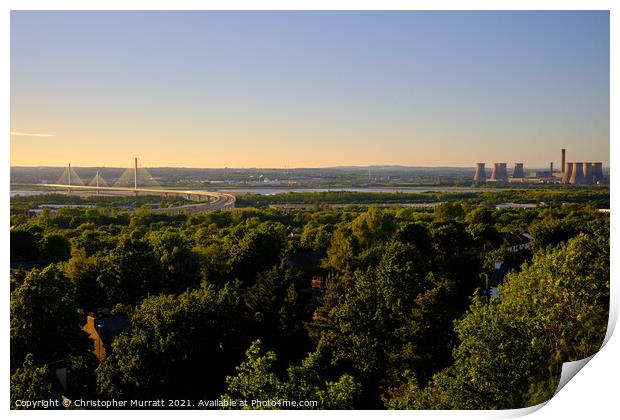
(352, 307)
(45, 320)
(30, 383)
(511, 351)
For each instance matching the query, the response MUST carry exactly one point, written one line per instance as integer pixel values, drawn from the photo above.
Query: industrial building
(570, 173)
(481, 174)
(518, 171)
(499, 174)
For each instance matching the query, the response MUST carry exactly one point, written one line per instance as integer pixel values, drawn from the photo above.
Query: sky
(308, 89)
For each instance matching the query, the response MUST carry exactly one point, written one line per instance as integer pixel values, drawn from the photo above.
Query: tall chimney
(518, 171)
(69, 173)
(550, 169)
(577, 175)
(563, 167)
(135, 174)
(568, 171)
(481, 174)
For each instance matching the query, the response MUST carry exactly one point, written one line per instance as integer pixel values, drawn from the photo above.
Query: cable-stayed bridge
(140, 181)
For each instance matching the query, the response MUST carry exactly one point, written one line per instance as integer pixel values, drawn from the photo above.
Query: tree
(371, 227)
(417, 234)
(30, 383)
(45, 319)
(274, 305)
(176, 347)
(481, 215)
(254, 249)
(25, 244)
(483, 235)
(448, 211)
(213, 263)
(257, 380)
(56, 247)
(448, 238)
(84, 273)
(180, 264)
(343, 249)
(94, 240)
(316, 236)
(131, 271)
(551, 232)
(511, 351)
(81, 377)
(364, 325)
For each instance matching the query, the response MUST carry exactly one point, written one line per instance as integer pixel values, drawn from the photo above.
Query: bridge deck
(222, 200)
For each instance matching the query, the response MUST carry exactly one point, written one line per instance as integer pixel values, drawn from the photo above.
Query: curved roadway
(223, 201)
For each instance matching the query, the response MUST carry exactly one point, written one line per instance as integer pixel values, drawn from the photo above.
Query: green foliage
(254, 250)
(511, 351)
(274, 306)
(81, 378)
(131, 271)
(30, 383)
(448, 211)
(371, 227)
(417, 234)
(343, 250)
(365, 323)
(553, 196)
(179, 262)
(316, 236)
(199, 289)
(56, 247)
(45, 320)
(25, 242)
(176, 347)
(257, 380)
(84, 272)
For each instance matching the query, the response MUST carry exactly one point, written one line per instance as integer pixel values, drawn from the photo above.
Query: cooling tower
(577, 175)
(499, 172)
(568, 171)
(494, 173)
(504, 172)
(597, 172)
(518, 171)
(481, 174)
(587, 172)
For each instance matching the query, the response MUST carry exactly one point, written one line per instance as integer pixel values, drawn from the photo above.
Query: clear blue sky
(259, 89)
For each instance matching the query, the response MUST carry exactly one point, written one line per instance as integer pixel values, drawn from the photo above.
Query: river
(272, 191)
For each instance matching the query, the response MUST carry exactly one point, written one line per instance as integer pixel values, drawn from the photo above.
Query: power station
(481, 174)
(518, 171)
(500, 174)
(570, 173)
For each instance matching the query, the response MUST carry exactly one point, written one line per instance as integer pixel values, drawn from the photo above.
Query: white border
(591, 394)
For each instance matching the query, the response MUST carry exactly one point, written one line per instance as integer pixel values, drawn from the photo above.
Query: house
(314, 294)
(517, 241)
(495, 279)
(103, 330)
(516, 206)
(317, 283)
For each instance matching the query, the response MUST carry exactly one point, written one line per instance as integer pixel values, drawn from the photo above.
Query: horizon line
(473, 166)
